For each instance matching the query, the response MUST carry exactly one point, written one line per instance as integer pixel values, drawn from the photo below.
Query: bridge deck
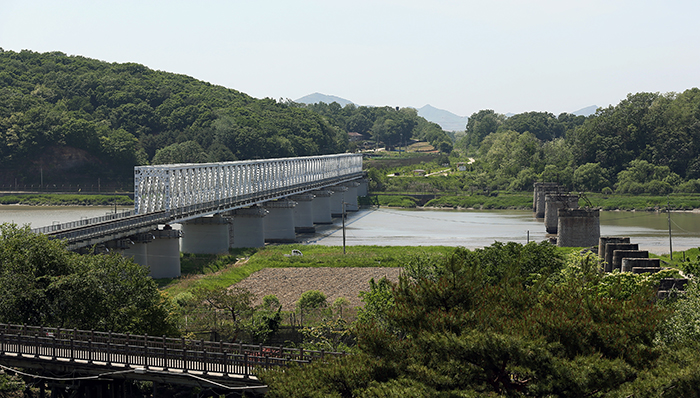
(173, 360)
(174, 193)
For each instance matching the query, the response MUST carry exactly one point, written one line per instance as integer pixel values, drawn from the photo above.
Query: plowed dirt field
(289, 283)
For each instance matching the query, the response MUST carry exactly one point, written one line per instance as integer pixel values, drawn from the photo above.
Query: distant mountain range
(315, 98)
(587, 111)
(446, 119)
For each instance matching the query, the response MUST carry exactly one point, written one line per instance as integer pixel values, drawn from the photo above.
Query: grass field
(225, 270)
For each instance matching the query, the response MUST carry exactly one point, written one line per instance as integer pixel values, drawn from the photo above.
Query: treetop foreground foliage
(44, 284)
(508, 320)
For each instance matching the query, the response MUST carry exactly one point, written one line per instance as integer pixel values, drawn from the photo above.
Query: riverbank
(58, 199)
(320, 268)
(523, 201)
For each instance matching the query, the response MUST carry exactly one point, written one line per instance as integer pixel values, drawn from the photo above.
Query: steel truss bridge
(174, 193)
(63, 358)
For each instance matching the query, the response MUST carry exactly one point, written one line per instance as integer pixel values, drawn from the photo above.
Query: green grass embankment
(209, 271)
(523, 200)
(501, 201)
(66, 200)
(643, 202)
(225, 270)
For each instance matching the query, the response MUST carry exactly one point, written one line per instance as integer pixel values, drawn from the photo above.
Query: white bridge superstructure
(185, 190)
(174, 193)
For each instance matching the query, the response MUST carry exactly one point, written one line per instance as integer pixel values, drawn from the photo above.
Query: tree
(543, 125)
(234, 301)
(121, 148)
(444, 147)
(44, 284)
(311, 300)
(642, 176)
(480, 125)
(503, 321)
(266, 319)
(185, 152)
(123, 113)
(590, 177)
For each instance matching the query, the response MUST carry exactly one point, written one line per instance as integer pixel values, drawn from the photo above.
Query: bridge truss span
(188, 189)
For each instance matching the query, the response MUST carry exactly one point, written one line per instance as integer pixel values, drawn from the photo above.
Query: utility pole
(670, 241)
(343, 225)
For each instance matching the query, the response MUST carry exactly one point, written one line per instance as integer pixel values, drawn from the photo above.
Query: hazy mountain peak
(318, 97)
(446, 119)
(587, 111)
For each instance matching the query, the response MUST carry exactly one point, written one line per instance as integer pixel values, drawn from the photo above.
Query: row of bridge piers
(275, 221)
(572, 225)
(580, 227)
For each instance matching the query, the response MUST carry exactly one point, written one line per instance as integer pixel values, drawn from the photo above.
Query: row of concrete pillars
(275, 221)
(574, 226)
(619, 254)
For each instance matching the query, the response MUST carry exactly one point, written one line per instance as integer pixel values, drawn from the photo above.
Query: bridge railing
(83, 222)
(177, 186)
(162, 353)
(101, 227)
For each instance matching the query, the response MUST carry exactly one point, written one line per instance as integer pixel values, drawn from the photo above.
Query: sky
(511, 56)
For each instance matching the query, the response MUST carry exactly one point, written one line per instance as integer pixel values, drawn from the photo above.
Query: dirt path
(289, 283)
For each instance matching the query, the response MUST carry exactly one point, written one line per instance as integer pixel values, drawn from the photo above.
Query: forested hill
(648, 143)
(71, 119)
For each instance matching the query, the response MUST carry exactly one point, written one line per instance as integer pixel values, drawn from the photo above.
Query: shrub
(656, 187)
(311, 299)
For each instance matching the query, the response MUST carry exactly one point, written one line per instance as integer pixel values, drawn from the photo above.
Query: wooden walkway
(161, 359)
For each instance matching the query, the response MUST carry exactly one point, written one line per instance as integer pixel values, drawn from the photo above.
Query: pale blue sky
(462, 56)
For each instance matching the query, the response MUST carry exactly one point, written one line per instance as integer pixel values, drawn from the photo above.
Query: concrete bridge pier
(322, 207)
(540, 191)
(339, 196)
(247, 228)
(303, 213)
(363, 189)
(205, 235)
(619, 257)
(138, 248)
(610, 249)
(279, 224)
(604, 240)
(578, 227)
(164, 253)
(554, 202)
(351, 196)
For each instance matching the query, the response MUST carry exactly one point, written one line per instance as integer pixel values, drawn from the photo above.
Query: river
(479, 228)
(418, 227)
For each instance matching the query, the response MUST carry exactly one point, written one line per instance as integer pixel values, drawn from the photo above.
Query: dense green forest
(648, 143)
(75, 119)
(390, 126)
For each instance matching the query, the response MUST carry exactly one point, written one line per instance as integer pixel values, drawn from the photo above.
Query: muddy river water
(467, 228)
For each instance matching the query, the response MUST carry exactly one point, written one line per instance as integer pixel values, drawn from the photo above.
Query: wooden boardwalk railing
(148, 352)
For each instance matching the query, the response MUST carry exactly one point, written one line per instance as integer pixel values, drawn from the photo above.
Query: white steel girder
(182, 186)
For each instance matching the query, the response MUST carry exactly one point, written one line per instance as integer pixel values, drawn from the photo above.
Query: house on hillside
(352, 136)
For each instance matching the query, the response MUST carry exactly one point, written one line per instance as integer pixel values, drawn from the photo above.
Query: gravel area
(289, 283)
